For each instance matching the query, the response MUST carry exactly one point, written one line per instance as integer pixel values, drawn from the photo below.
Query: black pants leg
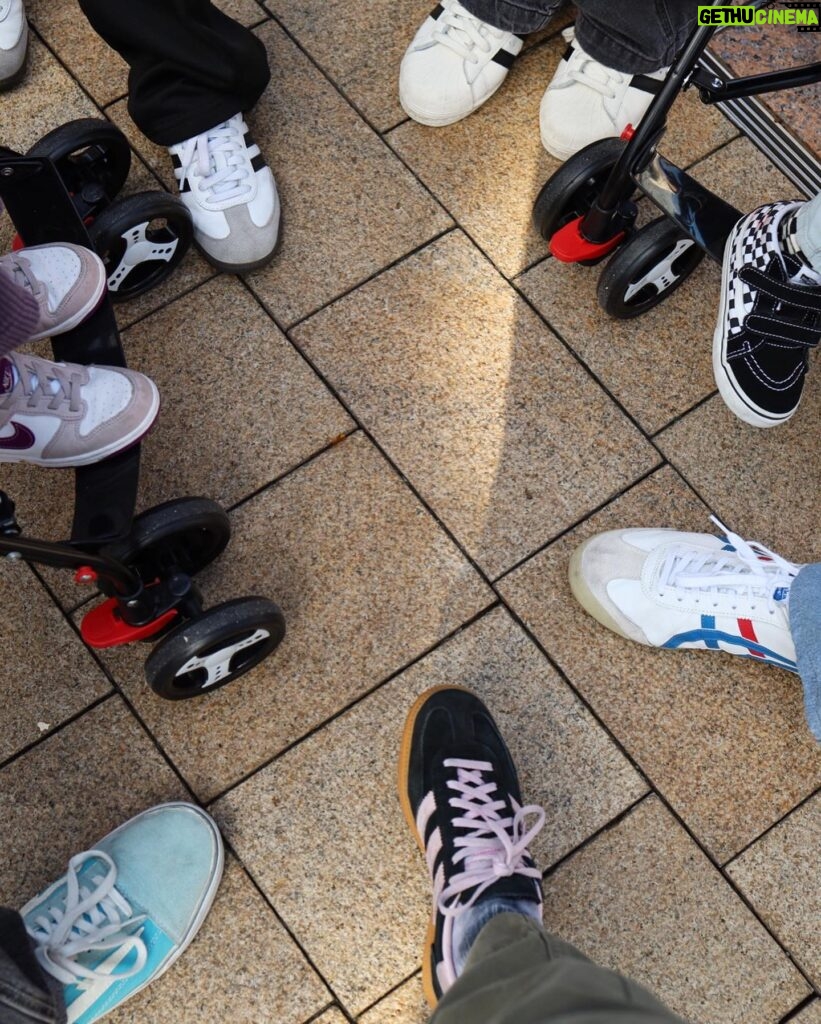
(27, 995)
(634, 36)
(191, 65)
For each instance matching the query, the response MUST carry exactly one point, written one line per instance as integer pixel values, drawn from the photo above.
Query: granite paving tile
(755, 50)
(810, 1015)
(657, 365)
(69, 791)
(349, 207)
(332, 1016)
(501, 431)
(335, 789)
(764, 484)
(48, 675)
(781, 877)
(363, 53)
(240, 406)
(405, 1005)
(492, 197)
(265, 977)
(723, 739)
(367, 582)
(47, 97)
(742, 176)
(644, 900)
(98, 68)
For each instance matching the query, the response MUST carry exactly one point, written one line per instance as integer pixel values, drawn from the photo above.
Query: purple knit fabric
(19, 311)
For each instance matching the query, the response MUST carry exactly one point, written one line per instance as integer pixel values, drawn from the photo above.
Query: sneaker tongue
(8, 376)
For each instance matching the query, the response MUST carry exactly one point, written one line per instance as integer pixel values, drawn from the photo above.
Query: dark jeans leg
(519, 16)
(636, 36)
(191, 65)
(26, 993)
(517, 973)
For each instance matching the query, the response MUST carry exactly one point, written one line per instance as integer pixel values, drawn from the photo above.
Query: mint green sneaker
(124, 911)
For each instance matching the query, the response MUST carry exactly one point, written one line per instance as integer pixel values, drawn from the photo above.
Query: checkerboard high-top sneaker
(460, 795)
(769, 319)
(455, 63)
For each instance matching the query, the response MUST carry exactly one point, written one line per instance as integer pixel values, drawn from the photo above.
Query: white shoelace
(465, 35)
(219, 159)
(583, 69)
(751, 571)
(44, 385)
(494, 846)
(92, 920)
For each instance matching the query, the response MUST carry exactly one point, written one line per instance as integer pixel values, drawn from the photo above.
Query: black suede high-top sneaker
(460, 794)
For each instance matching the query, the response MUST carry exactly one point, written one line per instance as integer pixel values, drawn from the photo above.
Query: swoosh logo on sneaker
(20, 440)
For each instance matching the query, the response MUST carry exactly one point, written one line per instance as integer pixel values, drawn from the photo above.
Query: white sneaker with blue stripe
(669, 589)
(124, 911)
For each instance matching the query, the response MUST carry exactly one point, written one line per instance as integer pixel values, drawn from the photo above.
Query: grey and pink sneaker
(62, 414)
(66, 281)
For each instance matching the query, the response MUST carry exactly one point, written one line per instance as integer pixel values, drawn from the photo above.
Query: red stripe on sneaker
(746, 629)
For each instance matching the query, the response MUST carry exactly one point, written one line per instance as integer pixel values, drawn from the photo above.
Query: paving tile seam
(487, 610)
(392, 464)
(770, 828)
(386, 995)
(249, 874)
(583, 519)
(602, 830)
(327, 1009)
(808, 1001)
(33, 29)
(333, 443)
(663, 799)
(584, 365)
(95, 703)
(680, 416)
(325, 74)
(365, 281)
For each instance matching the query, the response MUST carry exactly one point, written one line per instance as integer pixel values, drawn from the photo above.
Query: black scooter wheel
(647, 269)
(141, 240)
(575, 186)
(211, 650)
(92, 157)
(184, 535)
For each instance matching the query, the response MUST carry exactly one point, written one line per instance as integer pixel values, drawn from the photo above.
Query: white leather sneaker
(453, 65)
(678, 590)
(63, 414)
(232, 196)
(587, 101)
(14, 37)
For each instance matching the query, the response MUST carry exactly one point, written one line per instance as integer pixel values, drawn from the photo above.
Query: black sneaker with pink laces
(460, 794)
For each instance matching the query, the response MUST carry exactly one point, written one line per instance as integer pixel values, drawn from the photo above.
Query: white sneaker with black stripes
(587, 101)
(460, 795)
(232, 196)
(453, 65)
(769, 319)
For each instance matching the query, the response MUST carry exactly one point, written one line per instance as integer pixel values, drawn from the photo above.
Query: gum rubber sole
(404, 771)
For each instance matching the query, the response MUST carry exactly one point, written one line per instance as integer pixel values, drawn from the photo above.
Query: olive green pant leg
(517, 973)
